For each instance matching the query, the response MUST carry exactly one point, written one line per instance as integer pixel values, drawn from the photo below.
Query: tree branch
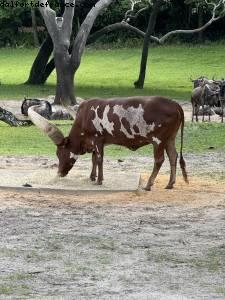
(207, 24)
(49, 16)
(134, 17)
(118, 26)
(125, 26)
(68, 14)
(131, 10)
(81, 38)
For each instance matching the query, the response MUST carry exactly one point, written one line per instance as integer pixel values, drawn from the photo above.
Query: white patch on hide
(103, 123)
(135, 117)
(160, 125)
(82, 133)
(156, 140)
(72, 155)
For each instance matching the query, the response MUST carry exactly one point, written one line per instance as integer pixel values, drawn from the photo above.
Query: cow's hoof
(148, 189)
(98, 183)
(169, 187)
(92, 178)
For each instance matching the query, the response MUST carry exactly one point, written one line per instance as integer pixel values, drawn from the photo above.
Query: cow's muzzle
(60, 174)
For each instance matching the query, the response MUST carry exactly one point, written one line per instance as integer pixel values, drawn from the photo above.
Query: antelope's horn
(72, 112)
(50, 129)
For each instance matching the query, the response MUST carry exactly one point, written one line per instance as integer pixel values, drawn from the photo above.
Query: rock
(27, 185)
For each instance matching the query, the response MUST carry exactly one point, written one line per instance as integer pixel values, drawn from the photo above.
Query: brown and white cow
(132, 122)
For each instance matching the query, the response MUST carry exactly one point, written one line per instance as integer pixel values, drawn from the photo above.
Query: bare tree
(41, 68)
(34, 27)
(144, 58)
(43, 64)
(60, 30)
(217, 9)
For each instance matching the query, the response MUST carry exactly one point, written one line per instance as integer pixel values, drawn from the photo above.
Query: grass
(31, 141)
(212, 261)
(14, 288)
(112, 72)
(107, 73)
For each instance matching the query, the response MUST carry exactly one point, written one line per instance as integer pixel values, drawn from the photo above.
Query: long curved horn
(50, 129)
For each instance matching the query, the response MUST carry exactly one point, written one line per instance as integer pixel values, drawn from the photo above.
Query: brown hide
(164, 113)
(131, 122)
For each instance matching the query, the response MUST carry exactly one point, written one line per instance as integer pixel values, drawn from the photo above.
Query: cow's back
(128, 118)
(153, 106)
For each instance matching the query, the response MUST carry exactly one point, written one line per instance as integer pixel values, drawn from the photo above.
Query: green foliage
(10, 20)
(13, 18)
(114, 13)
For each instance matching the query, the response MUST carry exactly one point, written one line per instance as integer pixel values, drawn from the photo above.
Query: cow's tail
(182, 161)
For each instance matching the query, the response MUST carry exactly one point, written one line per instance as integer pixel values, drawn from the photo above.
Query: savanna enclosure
(162, 244)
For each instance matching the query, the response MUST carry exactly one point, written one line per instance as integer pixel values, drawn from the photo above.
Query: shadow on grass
(19, 91)
(108, 91)
(8, 92)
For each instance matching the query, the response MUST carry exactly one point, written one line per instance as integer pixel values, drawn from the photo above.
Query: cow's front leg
(94, 166)
(99, 160)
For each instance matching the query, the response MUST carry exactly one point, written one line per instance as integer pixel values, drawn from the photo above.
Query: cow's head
(65, 156)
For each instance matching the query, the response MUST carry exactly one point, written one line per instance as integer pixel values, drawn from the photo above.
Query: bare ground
(156, 245)
(161, 244)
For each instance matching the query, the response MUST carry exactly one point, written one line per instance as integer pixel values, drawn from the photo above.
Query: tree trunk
(48, 70)
(65, 79)
(200, 23)
(38, 69)
(65, 88)
(139, 84)
(34, 27)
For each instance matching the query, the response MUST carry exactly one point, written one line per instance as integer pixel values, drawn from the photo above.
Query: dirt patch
(76, 180)
(146, 245)
(157, 245)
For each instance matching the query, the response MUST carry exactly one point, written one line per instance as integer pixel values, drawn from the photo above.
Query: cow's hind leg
(94, 167)
(172, 154)
(158, 161)
(99, 161)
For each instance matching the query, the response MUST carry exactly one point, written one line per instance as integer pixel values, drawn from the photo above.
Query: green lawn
(112, 72)
(31, 141)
